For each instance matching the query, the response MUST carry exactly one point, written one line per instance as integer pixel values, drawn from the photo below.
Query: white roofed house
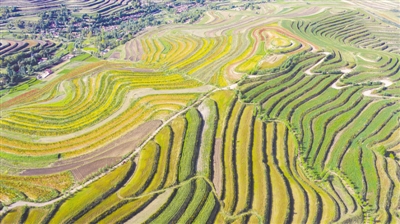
(44, 74)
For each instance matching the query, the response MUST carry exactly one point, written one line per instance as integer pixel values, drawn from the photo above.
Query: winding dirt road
(386, 83)
(138, 149)
(308, 71)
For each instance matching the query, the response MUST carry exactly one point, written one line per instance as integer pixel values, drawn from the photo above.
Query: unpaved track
(151, 208)
(335, 84)
(386, 83)
(308, 71)
(368, 93)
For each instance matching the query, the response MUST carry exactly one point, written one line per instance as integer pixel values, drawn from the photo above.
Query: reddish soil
(109, 154)
(217, 166)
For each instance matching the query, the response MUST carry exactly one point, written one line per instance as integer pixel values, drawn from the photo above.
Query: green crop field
(255, 112)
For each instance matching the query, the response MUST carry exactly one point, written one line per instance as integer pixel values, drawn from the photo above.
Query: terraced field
(30, 7)
(284, 114)
(9, 47)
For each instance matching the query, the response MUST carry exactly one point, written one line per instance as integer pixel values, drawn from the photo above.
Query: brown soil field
(139, 50)
(217, 166)
(86, 170)
(109, 154)
(128, 47)
(151, 208)
(115, 55)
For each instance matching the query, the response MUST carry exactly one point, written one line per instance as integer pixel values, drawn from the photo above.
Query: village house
(44, 74)
(42, 60)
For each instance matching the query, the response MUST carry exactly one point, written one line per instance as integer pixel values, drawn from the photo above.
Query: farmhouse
(44, 74)
(42, 60)
(67, 57)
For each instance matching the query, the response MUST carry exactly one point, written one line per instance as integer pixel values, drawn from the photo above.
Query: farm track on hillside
(232, 119)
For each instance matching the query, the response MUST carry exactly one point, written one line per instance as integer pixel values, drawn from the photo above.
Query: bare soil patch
(151, 208)
(139, 50)
(128, 46)
(119, 146)
(115, 55)
(107, 155)
(205, 113)
(84, 171)
(217, 166)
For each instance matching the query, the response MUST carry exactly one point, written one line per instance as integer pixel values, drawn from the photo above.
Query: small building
(42, 60)
(44, 74)
(68, 57)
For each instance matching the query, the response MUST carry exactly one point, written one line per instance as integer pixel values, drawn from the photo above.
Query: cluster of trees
(59, 17)
(23, 64)
(75, 28)
(189, 16)
(7, 12)
(120, 29)
(136, 3)
(251, 6)
(13, 77)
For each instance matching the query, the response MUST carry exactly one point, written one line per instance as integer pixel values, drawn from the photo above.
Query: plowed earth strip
(102, 157)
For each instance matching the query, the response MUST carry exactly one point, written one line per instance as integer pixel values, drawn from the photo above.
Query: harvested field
(217, 167)
(115, 55)
(82, 172)
(107, 155)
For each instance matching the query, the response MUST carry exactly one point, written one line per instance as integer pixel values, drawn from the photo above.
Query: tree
(22, 70)
(136, 4)
(9, 70)
(29, 69)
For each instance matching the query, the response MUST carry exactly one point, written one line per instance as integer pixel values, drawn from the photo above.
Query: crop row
(197, 56)
(334, 128)
(271, 179)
